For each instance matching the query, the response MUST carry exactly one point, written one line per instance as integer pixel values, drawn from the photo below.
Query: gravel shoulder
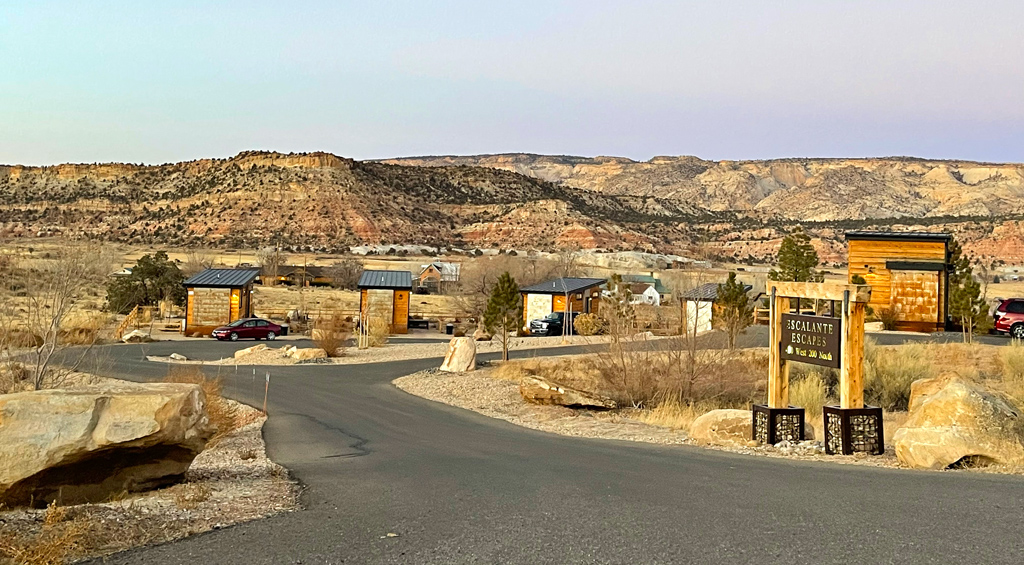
(231, 482)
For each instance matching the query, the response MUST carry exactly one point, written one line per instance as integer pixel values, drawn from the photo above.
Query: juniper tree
(734, 308)
(504, 312)
(967, 302)
(797, 259)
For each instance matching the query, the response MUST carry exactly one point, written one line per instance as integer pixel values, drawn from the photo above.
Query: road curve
(458, 487)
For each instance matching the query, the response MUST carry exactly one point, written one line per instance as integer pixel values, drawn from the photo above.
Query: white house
(644, 294)
(699, 307)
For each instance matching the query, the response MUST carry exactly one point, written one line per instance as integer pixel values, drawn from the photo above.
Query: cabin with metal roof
(216, 297)
(564, 294)
(908, 273)
(386, 290)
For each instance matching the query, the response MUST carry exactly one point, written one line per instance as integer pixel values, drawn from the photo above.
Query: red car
(248, 328)
(1009, 317)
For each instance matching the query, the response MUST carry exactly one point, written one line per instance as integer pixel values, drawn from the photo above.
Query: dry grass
(810, 392)
(678, 415)
(223, 416)
(331, 333)
(54, 514)
(189, 496)
(55, 544)
(378, 330)
(889, 372)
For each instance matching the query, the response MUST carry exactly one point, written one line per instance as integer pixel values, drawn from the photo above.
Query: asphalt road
(458, 487)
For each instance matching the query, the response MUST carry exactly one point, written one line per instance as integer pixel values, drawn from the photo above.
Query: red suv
(1009, 317)
(254, 328)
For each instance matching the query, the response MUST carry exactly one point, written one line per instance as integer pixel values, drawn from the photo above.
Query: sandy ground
(481, 392)
(230, 482)
(394, 351)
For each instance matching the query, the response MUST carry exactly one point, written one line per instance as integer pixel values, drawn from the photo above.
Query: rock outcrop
(461, 356)
(542, 391)
(250, 350)
(84, 446)
(954, 421)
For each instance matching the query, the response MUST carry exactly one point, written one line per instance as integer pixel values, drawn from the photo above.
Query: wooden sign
(811, 339)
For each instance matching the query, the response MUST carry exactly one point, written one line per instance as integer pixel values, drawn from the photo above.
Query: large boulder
(921, 389)
(307, 353)
(461, 356)
(542, 391)
(960, 421)
(84, 446)
(723, 427)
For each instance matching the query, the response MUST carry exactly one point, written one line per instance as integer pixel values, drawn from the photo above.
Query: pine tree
(734, 308)
(967, 303)
(504, 312)
(797, 259)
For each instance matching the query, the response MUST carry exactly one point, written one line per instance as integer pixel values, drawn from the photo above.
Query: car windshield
(236, 323)
(553, 316)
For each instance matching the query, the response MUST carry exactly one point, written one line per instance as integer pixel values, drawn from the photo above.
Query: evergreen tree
(967, 303)
(735, 311)
(154, 278)
(797, 259)
(504, 312)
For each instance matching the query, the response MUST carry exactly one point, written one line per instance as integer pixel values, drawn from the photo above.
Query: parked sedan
(248, 328)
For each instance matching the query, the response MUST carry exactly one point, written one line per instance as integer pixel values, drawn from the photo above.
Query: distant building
(572, 294)
(439, 275)
(664, 295)
(699, 306)
(303, 275)
(396, 285)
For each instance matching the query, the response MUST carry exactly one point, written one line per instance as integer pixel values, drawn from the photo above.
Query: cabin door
(915, 295)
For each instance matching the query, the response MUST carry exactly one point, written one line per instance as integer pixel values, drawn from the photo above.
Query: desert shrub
(331, 333)
(587, 324)
(189, 496)
(459, 332)
(889, 372)
(810, 392)
(889, 318)
(679, 415)
(14, 377)
(53, 545)
(379, 330)
(1011, 358)
(18, 338)
(222, 415)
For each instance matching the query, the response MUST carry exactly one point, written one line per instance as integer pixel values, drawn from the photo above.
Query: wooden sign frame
(854, 299)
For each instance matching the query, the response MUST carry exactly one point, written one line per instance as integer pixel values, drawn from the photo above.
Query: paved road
(458, 487)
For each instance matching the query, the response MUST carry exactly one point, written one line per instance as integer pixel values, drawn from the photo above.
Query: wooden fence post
(778, 368)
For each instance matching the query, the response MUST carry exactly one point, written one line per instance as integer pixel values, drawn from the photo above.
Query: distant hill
(319, 201)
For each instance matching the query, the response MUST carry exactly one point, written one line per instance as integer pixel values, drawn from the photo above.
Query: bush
(889, 371)
(1012, 359)
(587, 324)
(379, 331)
(889, 318)
(331, 333)
(222, 415)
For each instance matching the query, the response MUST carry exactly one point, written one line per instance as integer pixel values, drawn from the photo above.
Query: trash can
(449, 329)
(284, 329)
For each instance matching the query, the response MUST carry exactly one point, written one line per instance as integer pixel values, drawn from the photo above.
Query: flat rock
(960, 421)
(248, 350)
(461, 356)
(874, 326)
(136, 336)
(178, 357)
(542, 391)
(723, 427)
(84, 446)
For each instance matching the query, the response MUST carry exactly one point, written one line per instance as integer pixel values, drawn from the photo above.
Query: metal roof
(562, 286)
(899, 235)
(399, 280)
(223, 277)
(707, 292)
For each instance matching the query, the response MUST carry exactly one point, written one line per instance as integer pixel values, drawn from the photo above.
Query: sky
(155, 82)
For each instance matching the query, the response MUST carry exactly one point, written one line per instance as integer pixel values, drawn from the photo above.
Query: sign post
(826, 341)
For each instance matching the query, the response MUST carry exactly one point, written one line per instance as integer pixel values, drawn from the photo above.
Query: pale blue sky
(149, 81)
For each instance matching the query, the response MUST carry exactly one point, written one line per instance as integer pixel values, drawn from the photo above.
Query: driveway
(457, 487)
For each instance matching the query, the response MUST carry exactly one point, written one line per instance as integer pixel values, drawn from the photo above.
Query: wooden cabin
(216, 297)
(907, 271)
(396, 286)
(583, 295)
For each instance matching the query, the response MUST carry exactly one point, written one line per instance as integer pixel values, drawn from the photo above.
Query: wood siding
(919, 295)
(208, 307)
(400, 314)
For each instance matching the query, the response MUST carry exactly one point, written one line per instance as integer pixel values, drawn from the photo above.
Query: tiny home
(699, 307)
(216, 297)
(582, 295)
(908, 273)
(390, 288)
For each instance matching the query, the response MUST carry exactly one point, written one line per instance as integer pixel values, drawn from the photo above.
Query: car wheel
(1017, 331)
(271, 336)
(233, 336)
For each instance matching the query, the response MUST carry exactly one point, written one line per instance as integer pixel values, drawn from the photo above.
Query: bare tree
(345, 273)
(197, 259)
(269, 259)
(37, 336)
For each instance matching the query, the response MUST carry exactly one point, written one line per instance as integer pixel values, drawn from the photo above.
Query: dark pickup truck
(552, 324)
